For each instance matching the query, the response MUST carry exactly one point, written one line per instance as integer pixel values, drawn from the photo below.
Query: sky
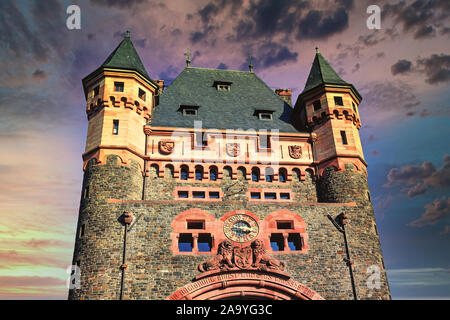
(402, 70)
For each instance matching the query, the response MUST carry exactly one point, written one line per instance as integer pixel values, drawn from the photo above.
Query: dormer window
(264, 114)
(222, 85)
(189, 111)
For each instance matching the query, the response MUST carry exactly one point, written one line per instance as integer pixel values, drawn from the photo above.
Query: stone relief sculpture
(254, 257)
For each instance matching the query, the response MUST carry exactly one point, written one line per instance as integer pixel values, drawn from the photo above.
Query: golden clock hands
(244, 228)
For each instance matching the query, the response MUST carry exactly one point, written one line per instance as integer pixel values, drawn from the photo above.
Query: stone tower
(216, 188)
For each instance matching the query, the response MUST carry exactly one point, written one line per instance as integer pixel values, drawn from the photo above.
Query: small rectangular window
(284, 225)
(285, 196)
(214, 195)
(255, 195)
(115, 127)
(344, 137)
(294, 242)
(185, 242)
(270, 195)
(338, 101)
(196, 225)
(198, 194)
(317, 105)
(277, 242)
(265, 116)
(96, 90)
(141, 94)
(183, 194)
(204, 242)
(118, 86)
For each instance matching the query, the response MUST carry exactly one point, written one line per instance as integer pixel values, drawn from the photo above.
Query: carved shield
(233, 149)
(166, 147)
(243, 257)
(295, 152)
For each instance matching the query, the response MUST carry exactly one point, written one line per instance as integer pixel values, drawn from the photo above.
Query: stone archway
(244, 284)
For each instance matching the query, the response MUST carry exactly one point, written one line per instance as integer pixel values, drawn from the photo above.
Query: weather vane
(188, 57)
(250, 63)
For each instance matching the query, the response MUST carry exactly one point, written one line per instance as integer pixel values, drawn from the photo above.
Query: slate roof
(125, 56)
(234, 109)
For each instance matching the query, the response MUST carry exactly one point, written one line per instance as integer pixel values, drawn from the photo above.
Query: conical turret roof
(322, 73)
(125, 56)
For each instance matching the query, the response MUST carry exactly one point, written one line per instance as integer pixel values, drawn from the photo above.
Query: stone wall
(155, 272)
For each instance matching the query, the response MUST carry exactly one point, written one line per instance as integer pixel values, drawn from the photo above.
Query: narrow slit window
(141, 94)
(354, 107)
(96, 90)
(86, 192)
(82, 229)
(344, 137)
(115, 127)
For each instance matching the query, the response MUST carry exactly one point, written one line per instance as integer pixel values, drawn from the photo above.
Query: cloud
(419, 277)
(435, 211)
(420, 178)
(425, 32)
(436, 68)
(317, 25)
(119, 4)
(401, 66)
(43, 243)
(418, 16)
(416, 190)
(40, 74)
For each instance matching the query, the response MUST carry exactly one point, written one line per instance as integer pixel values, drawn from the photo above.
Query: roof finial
(250, 63)
(188, 57)
(127, 34)
(317, 49)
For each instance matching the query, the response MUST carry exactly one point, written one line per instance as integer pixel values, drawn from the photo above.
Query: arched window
(296, 173)
(184, 173)
(154, 170)
(242, 172)
(168, 171)
(198, 173)
(255, 174)
(282, 175)
(269, 174)
(227, 172)
(213, 173)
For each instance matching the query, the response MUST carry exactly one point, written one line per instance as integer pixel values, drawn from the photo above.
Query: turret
(328, 106)
(120, 96)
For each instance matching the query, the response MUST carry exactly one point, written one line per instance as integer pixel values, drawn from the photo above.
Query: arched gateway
(244, 284)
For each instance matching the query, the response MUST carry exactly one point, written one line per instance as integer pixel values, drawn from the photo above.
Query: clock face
(240, 228)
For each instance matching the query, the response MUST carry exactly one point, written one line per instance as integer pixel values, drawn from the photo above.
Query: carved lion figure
(223, 259)
(262, 259)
